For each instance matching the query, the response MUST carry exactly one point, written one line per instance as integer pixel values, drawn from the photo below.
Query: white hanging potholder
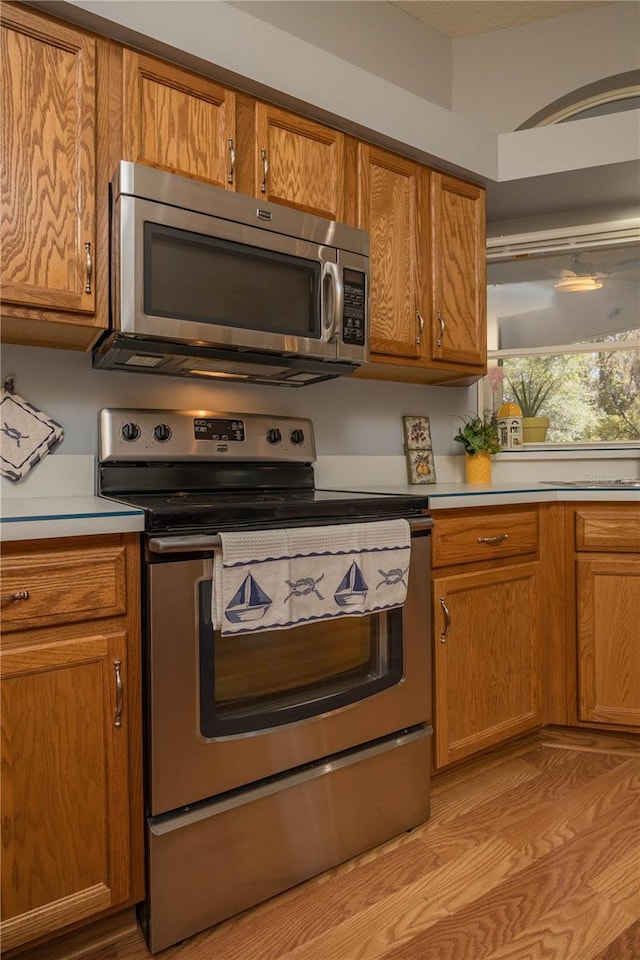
(26, 436)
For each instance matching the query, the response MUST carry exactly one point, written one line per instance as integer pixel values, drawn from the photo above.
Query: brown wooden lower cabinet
(536, 621)
(71, 759)
(604, 570)
(485, 658)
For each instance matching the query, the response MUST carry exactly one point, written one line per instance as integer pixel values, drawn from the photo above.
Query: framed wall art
(419, 449)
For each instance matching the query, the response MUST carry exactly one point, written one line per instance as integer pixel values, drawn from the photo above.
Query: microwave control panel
(354, 312)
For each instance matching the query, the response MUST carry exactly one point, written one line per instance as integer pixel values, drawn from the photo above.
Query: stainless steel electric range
(271, 755)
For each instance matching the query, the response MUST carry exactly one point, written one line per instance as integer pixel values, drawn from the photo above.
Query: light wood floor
(532, 855)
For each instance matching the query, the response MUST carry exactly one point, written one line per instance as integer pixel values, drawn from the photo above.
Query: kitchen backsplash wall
(351, 417)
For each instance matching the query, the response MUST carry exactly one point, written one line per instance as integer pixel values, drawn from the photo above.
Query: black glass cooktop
(187, 497)
(186, 511)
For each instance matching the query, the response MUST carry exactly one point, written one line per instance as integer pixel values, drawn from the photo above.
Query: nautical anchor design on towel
(391, 577)
(303, 587)
(352, 589)
(250, 602)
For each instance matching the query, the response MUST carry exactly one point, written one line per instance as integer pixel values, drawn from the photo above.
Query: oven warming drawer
(214, 859)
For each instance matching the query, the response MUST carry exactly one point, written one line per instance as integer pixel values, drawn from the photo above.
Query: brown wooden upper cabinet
(49, 180)
(288, 159)
(393, 206)
(177, 120)
(459, 286)
(428, 277)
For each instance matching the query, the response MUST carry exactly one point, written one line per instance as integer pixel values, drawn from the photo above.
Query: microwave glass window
(257, 680)
(203, 279)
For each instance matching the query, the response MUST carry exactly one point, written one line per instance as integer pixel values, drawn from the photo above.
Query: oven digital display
(207, 428)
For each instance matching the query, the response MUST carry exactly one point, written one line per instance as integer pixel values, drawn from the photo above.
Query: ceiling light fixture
(577, 284)
(580, 279)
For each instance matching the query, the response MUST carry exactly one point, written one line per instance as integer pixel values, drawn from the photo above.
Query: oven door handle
(196, 542)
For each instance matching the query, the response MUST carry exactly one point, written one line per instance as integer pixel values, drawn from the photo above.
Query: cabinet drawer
(470, 538)
(603, 530)
(46, 587)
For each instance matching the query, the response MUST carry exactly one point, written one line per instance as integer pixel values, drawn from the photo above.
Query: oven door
(227, 712)
(189, 277)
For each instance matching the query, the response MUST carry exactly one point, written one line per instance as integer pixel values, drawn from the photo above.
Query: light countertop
(447, 495)
(39, 518)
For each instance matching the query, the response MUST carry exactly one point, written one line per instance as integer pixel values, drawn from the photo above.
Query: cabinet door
(48, 132)
(485, 639)
(459, 304)
(65, 796)
(389, 204)
(298, 162)
(178, 121)
(609, 639)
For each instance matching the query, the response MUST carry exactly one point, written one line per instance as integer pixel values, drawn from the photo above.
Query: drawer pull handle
(447, 620)
(17, 595)
(443, 327)
(420, 319)
(499, 537)
(117, 720)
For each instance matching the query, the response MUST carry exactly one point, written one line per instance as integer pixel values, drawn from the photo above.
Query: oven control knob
(162, 432)
(297, 437)
(274, 435)
(130, 432)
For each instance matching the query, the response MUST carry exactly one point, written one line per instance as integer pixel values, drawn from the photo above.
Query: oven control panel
(128, 434)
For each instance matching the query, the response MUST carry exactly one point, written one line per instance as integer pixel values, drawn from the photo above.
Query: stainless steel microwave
(208, 283)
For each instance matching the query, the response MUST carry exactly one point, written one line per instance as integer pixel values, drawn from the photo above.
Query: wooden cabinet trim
(53, 916)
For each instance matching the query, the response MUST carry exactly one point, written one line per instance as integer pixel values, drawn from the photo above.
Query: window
(565, 323)
(608, 95)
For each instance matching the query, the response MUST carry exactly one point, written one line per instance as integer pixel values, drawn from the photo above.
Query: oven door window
(265, 679)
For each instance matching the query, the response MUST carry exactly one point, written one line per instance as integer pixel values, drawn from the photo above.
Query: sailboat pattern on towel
(276, 579)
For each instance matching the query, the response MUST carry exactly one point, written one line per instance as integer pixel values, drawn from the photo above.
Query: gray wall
(350, 416)
(503, 77)
(377, 37)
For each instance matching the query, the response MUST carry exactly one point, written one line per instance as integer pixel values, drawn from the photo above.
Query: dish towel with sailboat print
(276, 579)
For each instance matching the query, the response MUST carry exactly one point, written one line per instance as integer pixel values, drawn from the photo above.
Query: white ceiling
(463, 18)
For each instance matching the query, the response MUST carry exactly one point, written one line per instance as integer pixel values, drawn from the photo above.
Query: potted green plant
(480, 438)
(530, 397)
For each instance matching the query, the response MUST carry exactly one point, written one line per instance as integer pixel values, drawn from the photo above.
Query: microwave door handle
(332, 301)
